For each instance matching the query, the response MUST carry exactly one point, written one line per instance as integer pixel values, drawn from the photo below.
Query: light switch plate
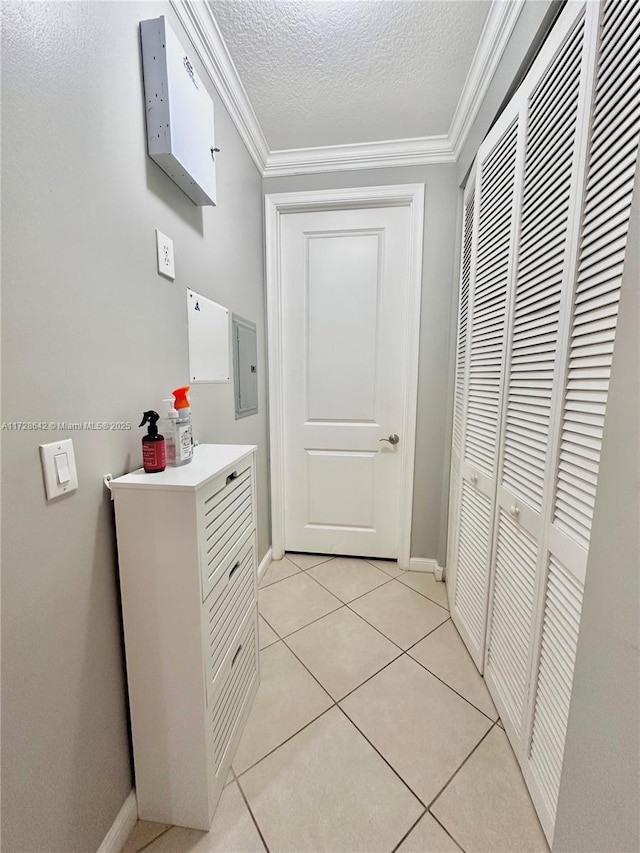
(166, 260)
(59, 468)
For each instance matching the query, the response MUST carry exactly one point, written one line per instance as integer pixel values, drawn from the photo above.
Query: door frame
(281, 204)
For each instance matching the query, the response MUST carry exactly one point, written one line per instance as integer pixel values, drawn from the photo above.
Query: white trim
(494, 38)
(277, 205)
(423, 564)
(421, 151)
(122, 827)
(201, 27)
(264, 563)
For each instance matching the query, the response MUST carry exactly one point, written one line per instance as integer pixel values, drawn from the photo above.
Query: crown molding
(421, 151)
(201, 27)
(495, 35)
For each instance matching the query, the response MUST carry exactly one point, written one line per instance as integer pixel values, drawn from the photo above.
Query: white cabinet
(187, 555)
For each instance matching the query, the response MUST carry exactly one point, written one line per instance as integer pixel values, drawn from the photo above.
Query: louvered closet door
(611, 166)
(459, 395)
(553, 98)
(497, 166)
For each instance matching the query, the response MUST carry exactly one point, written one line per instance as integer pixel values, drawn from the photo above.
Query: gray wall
(433, 436)
(599, 803)
(91, 332)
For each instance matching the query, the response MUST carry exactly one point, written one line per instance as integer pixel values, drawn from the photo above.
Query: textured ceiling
(332, 72)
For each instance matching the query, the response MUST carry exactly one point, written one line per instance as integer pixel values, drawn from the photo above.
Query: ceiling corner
(495, 35)
(202, 29)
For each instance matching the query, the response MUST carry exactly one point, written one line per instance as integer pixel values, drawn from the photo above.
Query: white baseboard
(426, 564)
(264, 565)
(423, 564)
(122, 826)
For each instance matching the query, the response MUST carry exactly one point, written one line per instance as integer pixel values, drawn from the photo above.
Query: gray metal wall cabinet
(245, 367)
(179, 111)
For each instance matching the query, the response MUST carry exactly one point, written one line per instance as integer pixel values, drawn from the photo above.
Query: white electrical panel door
(179, 111)
(208, 325)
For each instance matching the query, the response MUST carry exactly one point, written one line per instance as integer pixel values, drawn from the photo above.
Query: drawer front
(240, 673)
(225, 516)
(233, 594)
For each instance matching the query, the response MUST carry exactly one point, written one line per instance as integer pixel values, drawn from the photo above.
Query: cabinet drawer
(226, 514)
(232, 595)
(239, 674)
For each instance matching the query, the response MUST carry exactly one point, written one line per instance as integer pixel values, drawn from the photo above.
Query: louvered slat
(552, 122)
(463, 311)
(611, 169)
(512, 613)
(489, 302)
(563, 604)
(473, 556)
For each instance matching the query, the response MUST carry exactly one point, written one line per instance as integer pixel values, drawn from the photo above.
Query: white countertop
(208, 461)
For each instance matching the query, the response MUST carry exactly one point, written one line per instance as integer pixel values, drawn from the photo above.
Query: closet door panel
(496, 180)
(460, 383)
(541, 282)
(611, 165)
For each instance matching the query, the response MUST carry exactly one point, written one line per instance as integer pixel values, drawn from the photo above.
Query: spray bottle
(153, 450)
(183, 432)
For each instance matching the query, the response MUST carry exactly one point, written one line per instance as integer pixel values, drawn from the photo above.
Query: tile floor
(371, 731)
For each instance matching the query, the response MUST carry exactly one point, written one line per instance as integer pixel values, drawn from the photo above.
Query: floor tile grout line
(423, 594)
(153, 840)
(303, 664)
(262, 585)
(440, 823)
(446, 684)
(251, 814)
(400, 571)
(409, 831)
(382, 668)
(390, 766)
(313, 621)
(286, 740)
(328, 560)
(459, 768)
(357, 596)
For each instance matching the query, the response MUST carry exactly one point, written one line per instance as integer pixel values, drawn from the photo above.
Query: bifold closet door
(459, 394)
(490, 275)
(554, 100)
(611, 166)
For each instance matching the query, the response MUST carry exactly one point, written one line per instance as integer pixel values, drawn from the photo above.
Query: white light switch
(166, 260)
(59, 468)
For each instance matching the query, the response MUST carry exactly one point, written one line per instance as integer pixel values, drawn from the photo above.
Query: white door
(348, 377)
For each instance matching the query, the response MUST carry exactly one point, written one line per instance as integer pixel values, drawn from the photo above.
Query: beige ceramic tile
(443, 653)
(306, 561)
(425, 583)
(402, 615)
(388, 566)
(294, 602)
(267, 635)
(342, 650)
(287, 699)
(428, 837)
(423, 729)
(144, 833)
(278, 570)
(486, 806)
(348, 577)
(232, 831)
(327, 790)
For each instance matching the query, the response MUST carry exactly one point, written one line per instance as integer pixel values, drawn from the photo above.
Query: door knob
(514, 510)
(474, 479)
(393, 439)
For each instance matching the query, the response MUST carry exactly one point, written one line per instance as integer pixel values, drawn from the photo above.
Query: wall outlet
(166, 261)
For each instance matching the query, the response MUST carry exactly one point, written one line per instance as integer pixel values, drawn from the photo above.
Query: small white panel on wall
(179, 111)
(208, 325)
